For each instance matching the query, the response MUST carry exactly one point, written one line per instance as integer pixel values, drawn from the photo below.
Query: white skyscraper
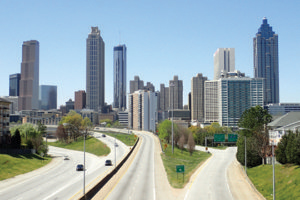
(224, 61)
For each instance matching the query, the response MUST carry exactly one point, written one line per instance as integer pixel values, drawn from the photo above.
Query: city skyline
(171, 44)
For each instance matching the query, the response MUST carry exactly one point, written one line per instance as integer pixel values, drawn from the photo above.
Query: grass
(128, 139)
(13, 165)
(191, 163)
(287, 181)
(92, 145)
(221, 147)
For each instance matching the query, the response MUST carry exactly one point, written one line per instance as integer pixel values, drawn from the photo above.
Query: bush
(29, 144)
(253, 159)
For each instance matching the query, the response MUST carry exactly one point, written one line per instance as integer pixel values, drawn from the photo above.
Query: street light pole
(172, 85)
(273, 162)
(246, 155)
(84, 165)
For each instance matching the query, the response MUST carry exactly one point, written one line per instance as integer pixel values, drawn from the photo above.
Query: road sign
(232, 137)
(219, 137)
(180, 168)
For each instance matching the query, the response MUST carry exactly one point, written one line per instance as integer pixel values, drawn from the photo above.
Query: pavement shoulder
(240, 185)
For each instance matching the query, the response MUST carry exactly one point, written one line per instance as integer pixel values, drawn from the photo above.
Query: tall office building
(164, 98)
(14, 84)
(211, 101)
(48, 97)
(197, 98)
(142, 110)
(95, 72)
(80, 100)
(136, 84)
(120, 71)
(224, 61)
(265, 57)
(176, 93)
(29, 83)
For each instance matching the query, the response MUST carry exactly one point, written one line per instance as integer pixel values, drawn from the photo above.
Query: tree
(16, 140)
(191, 144)
(73, 123)
(281, 149)
(165, 131)
(181, 142)
(42, 128)
(86, 125)
(61, 134)
(253, 159)
(253, 123)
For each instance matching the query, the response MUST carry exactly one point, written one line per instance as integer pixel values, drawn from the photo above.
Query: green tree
(73, 124)
(16, 140)
(253, 123)
(253, 159)
(41, 128)
(86, 125)
(165, 131)
(281, 149)
(191, 144)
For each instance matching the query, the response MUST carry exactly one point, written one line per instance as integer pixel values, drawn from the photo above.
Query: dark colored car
(103, 135)
(79, 167)
(108, 163)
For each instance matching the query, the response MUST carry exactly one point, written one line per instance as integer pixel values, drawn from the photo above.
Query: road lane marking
(200, 169)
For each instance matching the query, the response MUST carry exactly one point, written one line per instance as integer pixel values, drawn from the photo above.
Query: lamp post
(172, 85)
(67, 124)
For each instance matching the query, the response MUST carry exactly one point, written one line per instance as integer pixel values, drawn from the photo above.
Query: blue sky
(163, 38)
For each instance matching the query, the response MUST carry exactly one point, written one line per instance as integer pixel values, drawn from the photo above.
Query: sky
(164, 38)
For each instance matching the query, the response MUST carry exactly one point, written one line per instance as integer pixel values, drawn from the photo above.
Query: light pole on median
(172, 85)
(67, 124)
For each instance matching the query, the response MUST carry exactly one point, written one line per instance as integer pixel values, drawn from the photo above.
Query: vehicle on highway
(79, 167)
(66, 158)
(103, 135)
(116, 144)
(108, 163)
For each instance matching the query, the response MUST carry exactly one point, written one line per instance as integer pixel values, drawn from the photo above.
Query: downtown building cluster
(221, 100)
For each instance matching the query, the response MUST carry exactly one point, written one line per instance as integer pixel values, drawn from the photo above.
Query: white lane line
(153, 152)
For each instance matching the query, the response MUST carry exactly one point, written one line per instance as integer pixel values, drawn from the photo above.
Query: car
(103, 135)
(66, 158)
(79, 167)
(108, 163)
(116, 144)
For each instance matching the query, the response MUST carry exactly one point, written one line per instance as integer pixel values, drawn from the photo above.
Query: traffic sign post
(180, 169)
(232, 137)
(219, 137)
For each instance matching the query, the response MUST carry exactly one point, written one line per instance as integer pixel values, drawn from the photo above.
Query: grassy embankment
(129, 140)
(287, 181)
(13, 165)
(191, 163)
(92, 145)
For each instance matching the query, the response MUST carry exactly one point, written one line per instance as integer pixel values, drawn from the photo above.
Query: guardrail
(92, 192)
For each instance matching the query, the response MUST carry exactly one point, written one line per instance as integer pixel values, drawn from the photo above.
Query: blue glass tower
(265, 57)
(120, 70)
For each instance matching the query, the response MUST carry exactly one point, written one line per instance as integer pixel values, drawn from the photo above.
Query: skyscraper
(95, 72)
(265, 57)
(176, 93)
(29, 83)
(197, 98)
(14, 84)
(120, 71)
(136, 84)
(48, 97)
(224, 61)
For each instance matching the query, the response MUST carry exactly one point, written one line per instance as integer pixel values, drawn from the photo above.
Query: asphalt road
(211, 181)
(138, 182)
(61, 181)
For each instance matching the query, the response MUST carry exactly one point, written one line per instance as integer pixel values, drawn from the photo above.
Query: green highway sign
(232, 137)
(219, 137)
(180, 168)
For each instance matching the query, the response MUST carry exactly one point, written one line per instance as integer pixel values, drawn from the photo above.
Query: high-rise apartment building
(197, 98)
(14, 84)
(211, 101)
(80, 100)
(95, 72)
(120, 71)
(136, 84)
(164, 98)
(4, 121)
(142, 110)
(176, 93)
(48, 97)
(224, 61)
(265, 57)
(29, 83)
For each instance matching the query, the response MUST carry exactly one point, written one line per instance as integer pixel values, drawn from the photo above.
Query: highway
(211, 181)
(61, 180)
(138, 182)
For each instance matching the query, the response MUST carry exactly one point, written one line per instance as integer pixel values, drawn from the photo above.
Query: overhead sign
(180, 168)
(219, 137)
(232, 137)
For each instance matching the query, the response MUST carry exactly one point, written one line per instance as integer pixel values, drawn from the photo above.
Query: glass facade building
(14, 84)
(95, 72)
(120, 72)
(265, 56)
(48, 97)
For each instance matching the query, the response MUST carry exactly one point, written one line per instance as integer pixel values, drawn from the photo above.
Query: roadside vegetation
(13, 165)
(92, 145)
(128, 139)
(181, 157)
(287, 181)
